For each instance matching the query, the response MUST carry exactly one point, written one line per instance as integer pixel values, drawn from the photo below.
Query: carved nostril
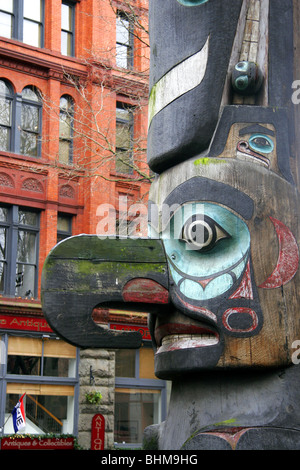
(243, 145)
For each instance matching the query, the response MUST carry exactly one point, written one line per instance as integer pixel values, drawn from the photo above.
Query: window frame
(130, 124)
(38, 105)
(123, 16)
(18, 21)
(13, 226)
(6, 378)
(11, 99)
(72, 6)
(17, 102)
(141, 384)
(63, 234)
(69, 112)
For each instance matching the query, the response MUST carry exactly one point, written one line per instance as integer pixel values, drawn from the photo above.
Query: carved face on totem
(232, 251)
(224, 201)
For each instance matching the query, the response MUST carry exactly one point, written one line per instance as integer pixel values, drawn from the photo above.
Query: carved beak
(84, 272)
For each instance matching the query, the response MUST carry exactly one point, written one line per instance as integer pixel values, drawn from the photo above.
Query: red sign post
(98, 428)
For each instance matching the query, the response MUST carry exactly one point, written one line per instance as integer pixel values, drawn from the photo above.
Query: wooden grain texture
(83, 272)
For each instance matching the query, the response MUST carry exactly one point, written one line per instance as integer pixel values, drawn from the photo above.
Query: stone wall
(103, 371)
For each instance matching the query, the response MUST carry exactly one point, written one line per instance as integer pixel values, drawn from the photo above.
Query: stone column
(100, 364)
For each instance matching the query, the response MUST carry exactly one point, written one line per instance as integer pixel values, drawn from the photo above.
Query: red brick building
(73, 125)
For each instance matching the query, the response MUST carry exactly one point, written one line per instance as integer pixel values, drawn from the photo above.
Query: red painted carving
(245, 289)
(240, 310)
(288, 259)
(146, 291)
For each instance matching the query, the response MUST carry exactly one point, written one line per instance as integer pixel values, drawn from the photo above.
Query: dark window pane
(23, 365)
(26, 251)
(29, 144)
(3, 214)
(30, 118)
(25, 280)
(2, 277)
(5, 112)
(63, 224)
(134, 411)
(29, 94)
(56, 367)
(3, 236)
(4, 139)
(125, 363)
(28, 218)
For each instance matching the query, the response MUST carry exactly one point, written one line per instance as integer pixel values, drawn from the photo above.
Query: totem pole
(219, 273)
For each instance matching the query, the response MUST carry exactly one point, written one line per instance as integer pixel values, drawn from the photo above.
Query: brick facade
(45, 183)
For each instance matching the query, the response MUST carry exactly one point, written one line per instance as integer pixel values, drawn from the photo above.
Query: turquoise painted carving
(192, 3)
(207, 248)
(261, 143)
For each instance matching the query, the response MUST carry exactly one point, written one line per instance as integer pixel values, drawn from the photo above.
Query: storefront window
(135, 410)
(47, 357)
(48, 408)
(140, 398)
(45, 369)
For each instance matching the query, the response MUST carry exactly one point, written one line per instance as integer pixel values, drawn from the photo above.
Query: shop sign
(24, 323)
(141, 329)
(98, 428)
(28, 443)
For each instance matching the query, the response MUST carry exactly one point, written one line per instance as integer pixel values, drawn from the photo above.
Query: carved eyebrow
(200, 189)
(254, 128)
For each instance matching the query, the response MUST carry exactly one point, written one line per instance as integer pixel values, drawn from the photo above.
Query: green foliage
(94, 398)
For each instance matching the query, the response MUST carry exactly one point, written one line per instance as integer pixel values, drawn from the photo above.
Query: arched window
(30, 122)
(6, 104)
(66, 122)
(20, 120)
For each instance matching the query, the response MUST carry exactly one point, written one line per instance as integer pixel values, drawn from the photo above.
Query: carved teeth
(206, 337)
(185, 341)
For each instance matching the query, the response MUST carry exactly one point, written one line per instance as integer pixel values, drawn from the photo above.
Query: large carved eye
(261, 143)
(202, 233)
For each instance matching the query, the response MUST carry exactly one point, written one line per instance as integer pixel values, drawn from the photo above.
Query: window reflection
(124, 139)
(32, 22)
(30, 122)
(66, 119)
(6, 97)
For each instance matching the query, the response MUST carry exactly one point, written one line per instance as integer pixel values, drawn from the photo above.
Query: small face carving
(253, 143)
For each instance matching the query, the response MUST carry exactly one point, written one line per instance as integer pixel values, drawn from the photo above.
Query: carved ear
(83, 272)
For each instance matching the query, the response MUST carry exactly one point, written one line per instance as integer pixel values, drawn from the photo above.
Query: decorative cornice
(38, 66)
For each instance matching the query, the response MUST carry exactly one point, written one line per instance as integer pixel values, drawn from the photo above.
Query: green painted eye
(261, 143)
(192, 3)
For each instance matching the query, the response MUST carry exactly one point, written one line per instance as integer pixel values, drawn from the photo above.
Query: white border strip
(178, 81)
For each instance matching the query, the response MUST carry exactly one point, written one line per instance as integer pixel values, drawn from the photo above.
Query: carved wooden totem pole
(219, 273)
